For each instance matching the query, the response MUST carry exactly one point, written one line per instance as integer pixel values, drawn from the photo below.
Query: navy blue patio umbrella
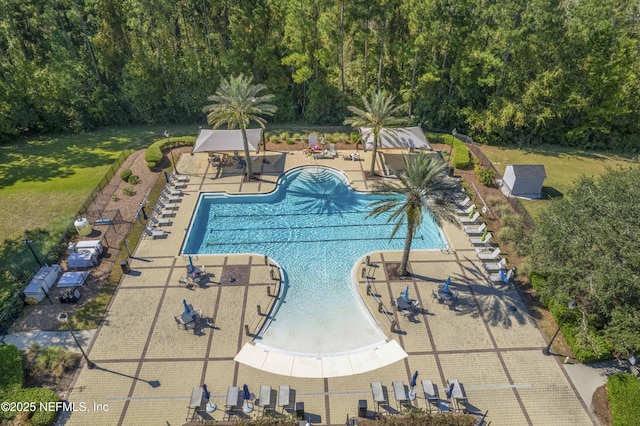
(246, 395)
(412, 383)
(191, 267)
(186, 306)
(166, 177)
(446, 284)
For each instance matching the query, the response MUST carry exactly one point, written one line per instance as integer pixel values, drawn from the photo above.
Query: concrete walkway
(50, 338)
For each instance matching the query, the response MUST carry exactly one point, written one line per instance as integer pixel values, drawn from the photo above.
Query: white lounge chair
(472, 219)
(154, 233)
(170, 198)
(502, 277)
(179, 178)
(163, 213)
(167, 206)
(378, 394)
(494, 267)
(159, 222)
(494, 255)
(481, 240)
(475, 230)
(466, 211)
(430, 394)
(332, 150)
(284, 397)
(464, 203)
(173, 192)
(177, 184)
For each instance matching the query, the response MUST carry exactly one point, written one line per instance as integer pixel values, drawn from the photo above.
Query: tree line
(516, 72)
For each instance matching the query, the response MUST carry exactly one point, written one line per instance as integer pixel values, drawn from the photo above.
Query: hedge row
(153, 156)
(461, 158)
(11, 390)
(624, 393)
(11, 369)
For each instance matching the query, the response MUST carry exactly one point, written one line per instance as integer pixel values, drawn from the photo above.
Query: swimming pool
(315, 227)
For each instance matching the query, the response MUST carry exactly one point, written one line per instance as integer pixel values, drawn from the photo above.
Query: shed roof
(528, 170)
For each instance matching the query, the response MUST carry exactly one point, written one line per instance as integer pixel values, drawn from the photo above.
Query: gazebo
(226, 140)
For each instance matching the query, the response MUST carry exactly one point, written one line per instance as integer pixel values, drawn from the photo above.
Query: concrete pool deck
(147, 366)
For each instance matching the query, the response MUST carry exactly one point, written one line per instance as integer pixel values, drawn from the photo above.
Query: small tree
(424, 188)
(378, 114)
(237, 103)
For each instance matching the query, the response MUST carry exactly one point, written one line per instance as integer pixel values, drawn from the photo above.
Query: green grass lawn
(43, 181)
(563, 167)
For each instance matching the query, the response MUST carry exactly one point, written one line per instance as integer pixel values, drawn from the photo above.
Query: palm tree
(378, 114)
(424, 188)
(237, 103)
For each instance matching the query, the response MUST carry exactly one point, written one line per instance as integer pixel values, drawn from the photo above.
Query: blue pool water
(315, 227)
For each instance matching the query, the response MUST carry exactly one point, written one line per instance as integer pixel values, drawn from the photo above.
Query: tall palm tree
(237, 103)
(424, 188)
(379, 113)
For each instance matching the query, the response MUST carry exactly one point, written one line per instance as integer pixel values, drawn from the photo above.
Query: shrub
(624, 393)
(126, 174)
(461, 158)
(133, 179)
(153, 156)
(11, 368)
(56, 360)
(129, 191)
(484, 175)
(35, 395)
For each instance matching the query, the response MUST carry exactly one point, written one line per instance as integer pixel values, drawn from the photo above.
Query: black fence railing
(487, 164)
(12, 307)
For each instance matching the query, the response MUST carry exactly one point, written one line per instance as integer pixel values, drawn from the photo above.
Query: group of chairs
(166, 206)
(237, 405)
(479, 236)
(455, 397)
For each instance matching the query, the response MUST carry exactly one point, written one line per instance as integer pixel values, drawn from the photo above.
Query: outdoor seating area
(443, 343)
(241, 402)
(405, 397)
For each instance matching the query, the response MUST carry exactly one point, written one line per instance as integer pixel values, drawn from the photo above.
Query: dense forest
(505, 71)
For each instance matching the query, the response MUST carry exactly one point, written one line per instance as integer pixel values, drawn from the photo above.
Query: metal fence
(13, 307)
(487, 164)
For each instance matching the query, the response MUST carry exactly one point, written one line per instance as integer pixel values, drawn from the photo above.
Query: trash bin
(300, 410)
(362, 408)
(125, 266)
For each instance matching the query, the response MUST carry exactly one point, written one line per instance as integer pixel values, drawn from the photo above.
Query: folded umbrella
(245, 392)
(412, 383)
(186, 306)
(405, 294)
(166, 177)
(191, 267)
(450, 391)
(446, 285)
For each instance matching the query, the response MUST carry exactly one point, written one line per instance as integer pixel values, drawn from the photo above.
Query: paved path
(50, 338)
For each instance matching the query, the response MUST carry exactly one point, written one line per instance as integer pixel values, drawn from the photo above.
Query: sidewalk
(50, 338)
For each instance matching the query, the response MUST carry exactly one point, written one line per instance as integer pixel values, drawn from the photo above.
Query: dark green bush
(153, 156)
(11, 366)
(126, 174)
(461, 158)
(484, 175)
(30, 395)
(624, 393)
(133, 179)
